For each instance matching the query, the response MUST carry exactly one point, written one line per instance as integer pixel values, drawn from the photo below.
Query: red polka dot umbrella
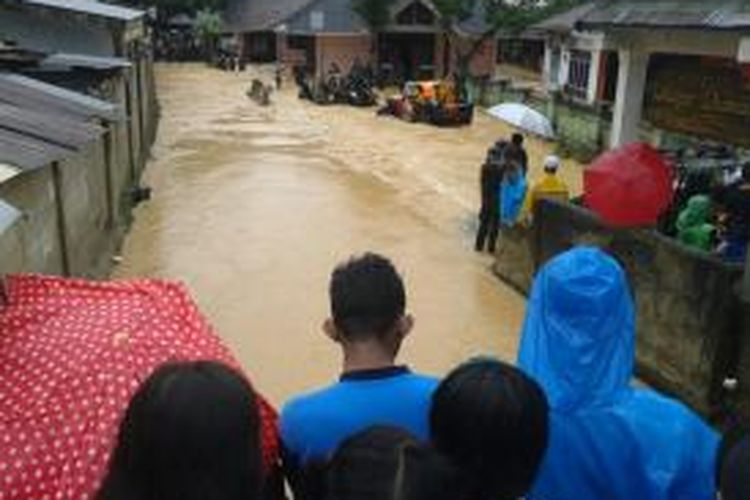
(629, 186)
(72, 354)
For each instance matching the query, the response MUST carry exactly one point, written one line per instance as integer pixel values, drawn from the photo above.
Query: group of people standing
(506, 198)
(718, 221)
(564, 424)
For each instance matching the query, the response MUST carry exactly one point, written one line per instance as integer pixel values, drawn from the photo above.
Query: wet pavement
(253, 207)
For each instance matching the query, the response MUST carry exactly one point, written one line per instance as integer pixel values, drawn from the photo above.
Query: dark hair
(387, 463)
(517, 139)
(492, 420)
(367, 296)
(732, 464)
(190, 432)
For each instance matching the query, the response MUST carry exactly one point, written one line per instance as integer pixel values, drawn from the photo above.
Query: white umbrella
(524, 118)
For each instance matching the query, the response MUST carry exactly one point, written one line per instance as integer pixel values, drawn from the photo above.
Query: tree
(377, 16)
(208, 30)
(168, 8)
(507, 16)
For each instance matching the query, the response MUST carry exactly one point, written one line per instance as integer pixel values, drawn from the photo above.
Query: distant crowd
(564, 424)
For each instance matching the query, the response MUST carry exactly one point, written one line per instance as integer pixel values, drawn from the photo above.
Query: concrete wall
(12, 249)
(66, 227)
(583, 131)
(33, 194)
(688, 314)
(85, 209)
(77, 212)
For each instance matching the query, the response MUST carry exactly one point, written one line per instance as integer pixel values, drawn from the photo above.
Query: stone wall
(689, 331)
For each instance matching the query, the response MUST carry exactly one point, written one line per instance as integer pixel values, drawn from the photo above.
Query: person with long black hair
(491, 420)
(388, 463)
(191, 432)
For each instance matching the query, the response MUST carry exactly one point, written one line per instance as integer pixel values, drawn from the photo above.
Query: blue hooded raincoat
(607, 440)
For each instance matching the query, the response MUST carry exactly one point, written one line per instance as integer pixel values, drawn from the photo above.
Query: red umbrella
(72, 354)
(629, 186)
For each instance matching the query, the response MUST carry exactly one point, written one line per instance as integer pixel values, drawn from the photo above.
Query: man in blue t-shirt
(369, 322)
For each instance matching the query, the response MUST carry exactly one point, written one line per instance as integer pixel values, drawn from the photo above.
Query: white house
(683, 67)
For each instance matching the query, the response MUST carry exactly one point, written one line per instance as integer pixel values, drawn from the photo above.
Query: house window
(415, 14)
(578, 74)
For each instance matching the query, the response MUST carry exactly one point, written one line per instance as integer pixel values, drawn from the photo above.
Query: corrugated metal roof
(9, 215)
(90, 7)
(28, 153)
(727, 15)
(564, 22)
(64, 60)
(337, 17)
(260, 15)
(48, 127)
(34, 94)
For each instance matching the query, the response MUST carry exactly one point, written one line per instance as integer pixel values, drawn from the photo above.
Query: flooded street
(252, 207)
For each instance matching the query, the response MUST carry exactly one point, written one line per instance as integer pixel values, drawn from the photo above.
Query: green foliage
(503, 15)
(375, 13)
(517, 16)
(208, 26)
(169, 8)
(453, 11)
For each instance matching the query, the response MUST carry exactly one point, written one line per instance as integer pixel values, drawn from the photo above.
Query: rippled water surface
(252, 207)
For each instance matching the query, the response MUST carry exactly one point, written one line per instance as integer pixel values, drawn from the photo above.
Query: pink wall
(342, 50)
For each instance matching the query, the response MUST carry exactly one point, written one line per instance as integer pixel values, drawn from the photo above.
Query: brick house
(317, 33)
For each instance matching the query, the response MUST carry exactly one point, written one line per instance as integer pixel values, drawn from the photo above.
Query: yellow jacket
(549, 187)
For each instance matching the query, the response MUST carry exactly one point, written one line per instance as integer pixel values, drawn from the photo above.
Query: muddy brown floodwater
(252, 208)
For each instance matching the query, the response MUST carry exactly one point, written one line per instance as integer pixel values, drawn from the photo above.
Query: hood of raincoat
(697, 212)
(578, 339)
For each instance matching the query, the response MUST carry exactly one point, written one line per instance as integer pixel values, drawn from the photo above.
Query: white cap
(552, 162)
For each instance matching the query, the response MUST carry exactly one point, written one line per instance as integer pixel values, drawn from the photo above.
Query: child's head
(390, 464)
(492, 420)
(191, 432)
